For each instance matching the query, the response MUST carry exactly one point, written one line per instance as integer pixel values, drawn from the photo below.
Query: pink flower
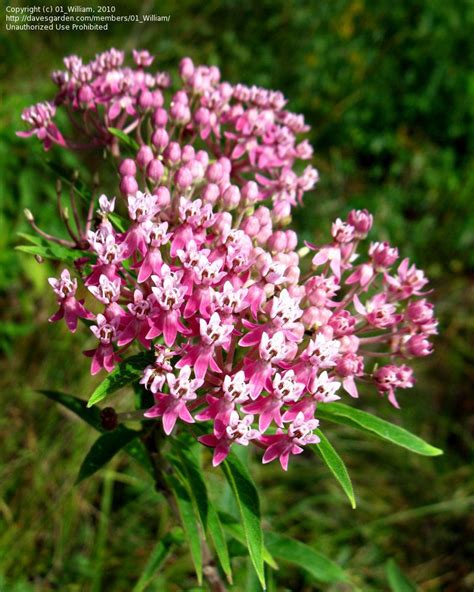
(235, 391)
(69, 307)
(202, 270)
(284, 390)
(281, 445)
(213, 334)
(104, 355)
(173, 405)
(238, 430)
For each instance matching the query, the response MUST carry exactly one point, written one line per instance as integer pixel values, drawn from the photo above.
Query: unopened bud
(108, 419)
(28, 215)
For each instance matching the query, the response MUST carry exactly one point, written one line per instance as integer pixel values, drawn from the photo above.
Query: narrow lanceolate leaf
(49, 249)
(335, 464)
(235, 530)
(344, 414)
(189, 522)
(77, 406)
(397, 580)
(189, 467)
(123, 137)
(91, 416)
(189, 464)
(158, 555)
(104, 449)
(215, 529)
(317, 565)
(248, 503)
(124, 373)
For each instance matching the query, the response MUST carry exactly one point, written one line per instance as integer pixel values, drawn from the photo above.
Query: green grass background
(388, 89)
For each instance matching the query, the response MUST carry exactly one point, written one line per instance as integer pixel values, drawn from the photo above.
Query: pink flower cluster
(250, 334)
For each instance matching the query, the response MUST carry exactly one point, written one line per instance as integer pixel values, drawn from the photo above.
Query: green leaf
(34, 239)
(216, 531)
(397, 580)
(158, 555)
(49, 249)
(207, 512)
(189, 521)
(117, 221)
(335, 464)
(77, 406)
(127, 140)
(91, 416)
(248, 503)
(124, 373)
(104, 448)
(235, 530)
(318, 566)
(344, 414)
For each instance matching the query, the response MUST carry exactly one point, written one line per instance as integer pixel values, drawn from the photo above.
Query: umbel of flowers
(251, 335)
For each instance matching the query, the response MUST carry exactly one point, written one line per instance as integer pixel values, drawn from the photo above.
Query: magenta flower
(69, 307)
(194, 261)
(238, 430)
(104, 356)
(173, 405)
(281, 445)
(39, 117)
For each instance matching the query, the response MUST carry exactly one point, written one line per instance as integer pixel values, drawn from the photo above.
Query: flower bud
(187, 153)
(186, 68)
(163, 198)
(172, 153)
(281, 212)
(146, 99)
(292, 274)
(160, 138)
(223, 222)
(128, 185)
(155, 170)
(250, 192)
(277, 241)
(203, 157)
(231, 197)
(160, 117)
(181, 97)
(86, 94)
(214, 172)
(226, 164)
(183, 178)
(28, 215)
(108, 418)
(197, 170)
(291, 240)
(201, 117)
(158, 99)
(127, 168)
(251, 226)
(144, 155)
(211, 193)
(180, 113)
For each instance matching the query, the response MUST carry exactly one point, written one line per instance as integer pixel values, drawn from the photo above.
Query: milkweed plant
(195, 296)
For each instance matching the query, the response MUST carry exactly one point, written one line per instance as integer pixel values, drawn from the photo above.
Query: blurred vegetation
(388, 89)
